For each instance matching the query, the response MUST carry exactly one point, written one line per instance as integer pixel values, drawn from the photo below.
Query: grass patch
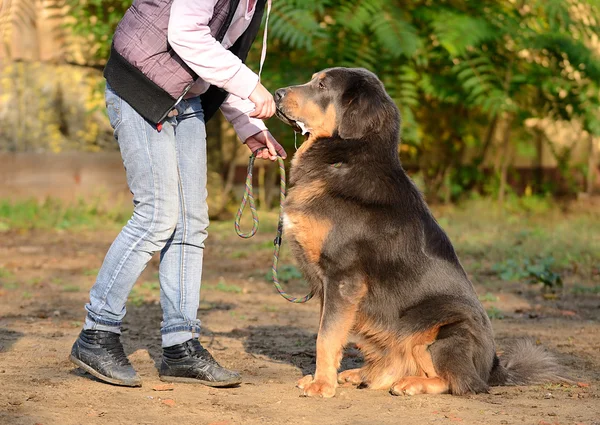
(535, 230)
(538, 270)
(136, 298)
(222, 286)
(271, 308)
(35, 281)
(285, 273)
(265, 245)
(91, 272)
(71, 288)
(235, 315)
(585, 290)
(146, 292)
(57, 280)
(239, 254)
(494, 313)
(488, 297)
(7, 279)
(55, 214)
(6, 274)
(151, 286)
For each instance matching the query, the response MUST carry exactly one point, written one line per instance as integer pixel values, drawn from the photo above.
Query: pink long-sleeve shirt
(189, 36)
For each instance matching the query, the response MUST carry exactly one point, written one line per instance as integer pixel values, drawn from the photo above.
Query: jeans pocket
(113, 107)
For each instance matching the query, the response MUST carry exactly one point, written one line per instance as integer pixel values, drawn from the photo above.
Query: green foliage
(222, 286)
(55, 214)
(455, 69)
(537, 270)
(71, 288)
(466, 61)
(457, 32)
(91, 272)
(285, 273)
(488, 297)
(495, 313)
(585, 290)
(5, 273)
(294, 24)
(96, 21)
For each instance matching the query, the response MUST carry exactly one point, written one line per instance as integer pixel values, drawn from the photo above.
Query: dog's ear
(363, 111)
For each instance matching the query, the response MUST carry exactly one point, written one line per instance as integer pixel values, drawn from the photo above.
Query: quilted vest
(144, 70)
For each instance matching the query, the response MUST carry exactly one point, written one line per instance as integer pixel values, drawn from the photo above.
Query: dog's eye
(321, 85)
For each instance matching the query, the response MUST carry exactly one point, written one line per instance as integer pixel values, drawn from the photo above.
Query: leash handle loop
(249, 198)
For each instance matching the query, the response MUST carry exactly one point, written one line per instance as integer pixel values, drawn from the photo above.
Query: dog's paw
(319, 389)
(350, 376)
(304, 382)
(408, 386)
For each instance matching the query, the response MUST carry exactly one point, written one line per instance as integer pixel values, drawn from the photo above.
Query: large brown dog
(377, 259)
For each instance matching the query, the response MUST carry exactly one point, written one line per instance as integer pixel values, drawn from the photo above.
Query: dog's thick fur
(377, 259)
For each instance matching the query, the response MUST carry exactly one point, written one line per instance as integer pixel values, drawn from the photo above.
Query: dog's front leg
(338, 313)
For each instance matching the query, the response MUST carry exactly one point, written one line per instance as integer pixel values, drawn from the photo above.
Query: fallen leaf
(169, 402)
(163, 387)
(568, 313)
(583, 384)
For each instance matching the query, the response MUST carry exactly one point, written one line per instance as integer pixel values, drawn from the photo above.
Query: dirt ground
(45, 276)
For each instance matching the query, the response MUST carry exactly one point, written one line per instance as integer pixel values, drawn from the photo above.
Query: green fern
(356, 15)
(296, 27)
(480, 81)
(578, 53)
(457, 32)
(394, 33)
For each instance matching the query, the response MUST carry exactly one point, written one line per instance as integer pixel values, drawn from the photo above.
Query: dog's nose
(279, 94)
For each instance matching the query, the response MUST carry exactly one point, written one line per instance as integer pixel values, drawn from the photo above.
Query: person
(172, 65)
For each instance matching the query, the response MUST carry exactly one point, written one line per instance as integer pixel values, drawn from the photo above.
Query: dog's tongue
(302, 127)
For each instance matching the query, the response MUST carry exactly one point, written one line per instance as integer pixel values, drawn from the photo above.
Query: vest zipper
(185, 91)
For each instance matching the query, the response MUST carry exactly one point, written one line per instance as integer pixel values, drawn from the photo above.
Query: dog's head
(350, 103)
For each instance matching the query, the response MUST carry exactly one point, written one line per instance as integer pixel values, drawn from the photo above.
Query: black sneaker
(101, 354)
(191, 363)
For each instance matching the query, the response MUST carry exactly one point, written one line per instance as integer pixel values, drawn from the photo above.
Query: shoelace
(115, 349)
(200, 352)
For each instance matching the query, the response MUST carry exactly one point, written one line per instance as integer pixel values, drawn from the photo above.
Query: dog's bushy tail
(524, 363)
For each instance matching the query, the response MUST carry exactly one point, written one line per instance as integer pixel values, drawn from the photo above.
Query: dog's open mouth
(298, 126)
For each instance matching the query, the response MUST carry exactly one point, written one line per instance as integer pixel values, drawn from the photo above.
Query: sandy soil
(247, 326)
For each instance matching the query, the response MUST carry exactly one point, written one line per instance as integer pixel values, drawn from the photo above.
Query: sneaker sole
(221, 384)
(101, 377)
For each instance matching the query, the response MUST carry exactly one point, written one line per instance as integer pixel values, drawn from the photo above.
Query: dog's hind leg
(350, 376)
(340, 303)
(413, 385)
(462, 358)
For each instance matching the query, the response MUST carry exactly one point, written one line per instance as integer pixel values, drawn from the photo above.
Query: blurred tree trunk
(214, 139)
(229, 178)
(220, 141)
(505, 158)
(539, 166)
(591, 172)
(489, 139)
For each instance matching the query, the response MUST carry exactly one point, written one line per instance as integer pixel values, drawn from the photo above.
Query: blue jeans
(166, 173)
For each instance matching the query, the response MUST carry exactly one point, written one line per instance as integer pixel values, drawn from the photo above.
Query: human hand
(264, 105)
(262, 140)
